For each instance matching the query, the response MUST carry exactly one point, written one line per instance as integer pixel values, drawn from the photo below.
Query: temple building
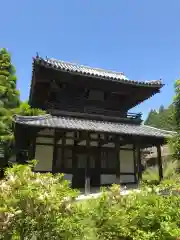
(88, 133)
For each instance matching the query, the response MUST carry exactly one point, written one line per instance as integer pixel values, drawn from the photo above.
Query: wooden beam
(159, 160)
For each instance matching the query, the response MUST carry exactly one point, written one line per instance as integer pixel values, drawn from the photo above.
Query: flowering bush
(137, 216)
(42, 206)
(34, 204)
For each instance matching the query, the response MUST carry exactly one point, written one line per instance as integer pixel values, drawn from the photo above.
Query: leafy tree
(152, 117)
(9, 95)
(25, 110)
(8, 92)
(175, 141)
(163, 119)
(9, 105)
(177, 104)
(161, 109)
(9, 98)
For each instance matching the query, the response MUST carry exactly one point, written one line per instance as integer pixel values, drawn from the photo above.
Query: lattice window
(108, 159)
(58, 163)
(67, 158)
(92, 162)
(81, 158)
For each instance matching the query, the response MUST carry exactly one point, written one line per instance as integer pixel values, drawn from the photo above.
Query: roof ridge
(163, 130)
(99, 68)
(30, 118)
(47, 116)
(95, 72)
(86, 66)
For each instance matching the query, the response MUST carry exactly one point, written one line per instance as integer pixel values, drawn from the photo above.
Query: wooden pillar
(139, 166)
(74, 159)
(33, 148)
(54, 164)
(87, 166)
(135, 164)
(62, 149)
(32, 145)
(159, 160)
(98, 159)
(117, 149)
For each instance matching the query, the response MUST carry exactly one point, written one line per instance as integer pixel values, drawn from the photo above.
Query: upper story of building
(69, 89)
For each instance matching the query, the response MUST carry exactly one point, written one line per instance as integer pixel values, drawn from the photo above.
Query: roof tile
(89, 71)
(92, 125)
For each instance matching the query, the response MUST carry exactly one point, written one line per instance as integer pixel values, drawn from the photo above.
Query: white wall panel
(127, 178)
(127, 165)
(44, 140)
(68, 177)
(44, 156)
(108, 178)
(126, 161)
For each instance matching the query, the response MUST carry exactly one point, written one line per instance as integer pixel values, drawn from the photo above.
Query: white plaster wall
(70, 134)
(69, 141)
(129, 146)
(111, 179)
(68, 177)
(47, 132)
(82, 143)
(93, 144)
(12, 159)
(127, 165)
(108, 178)
(60, 141)
(127, 178)
(110, 145)
(126, 161)
(102, 136)
(44, 156)
(94, 136)
(44, 140)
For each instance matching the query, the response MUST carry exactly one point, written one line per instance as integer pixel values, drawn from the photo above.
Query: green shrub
(151, 174)
(34, 204)
(42, 206)
(137, 216)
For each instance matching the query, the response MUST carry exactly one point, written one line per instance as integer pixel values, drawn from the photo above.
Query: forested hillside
(163, 118)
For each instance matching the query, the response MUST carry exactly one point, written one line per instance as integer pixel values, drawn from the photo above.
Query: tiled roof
(91, 125)
(93, 72)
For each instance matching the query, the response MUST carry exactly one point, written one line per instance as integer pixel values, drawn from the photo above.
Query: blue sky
(139, 37)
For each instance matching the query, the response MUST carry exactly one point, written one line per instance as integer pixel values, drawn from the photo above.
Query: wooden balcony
(93, 111)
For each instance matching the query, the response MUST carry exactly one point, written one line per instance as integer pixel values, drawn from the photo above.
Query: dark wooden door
(94, 168)
(78, 180)
(79, 170)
